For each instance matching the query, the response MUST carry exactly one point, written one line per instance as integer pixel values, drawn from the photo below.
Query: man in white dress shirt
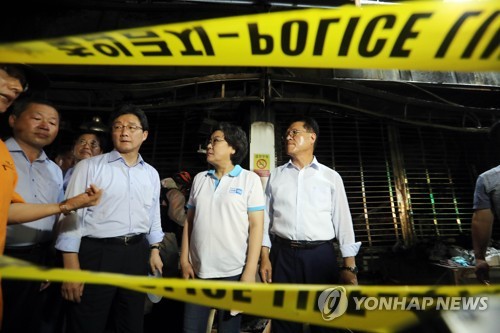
(118, 236)
(35, 124)
(306, 209)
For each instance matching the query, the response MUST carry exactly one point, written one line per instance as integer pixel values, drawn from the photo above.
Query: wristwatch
(352, 269)
(156, 246)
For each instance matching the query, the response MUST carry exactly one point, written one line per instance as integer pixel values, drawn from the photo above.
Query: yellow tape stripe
(416, 35)
(282, 301)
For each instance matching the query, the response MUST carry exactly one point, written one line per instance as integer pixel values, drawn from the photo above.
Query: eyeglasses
(214, 141)
(131, 128)
(293, 133)
(92, 143)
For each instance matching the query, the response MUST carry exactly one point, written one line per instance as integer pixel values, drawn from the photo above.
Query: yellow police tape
(281, 301)
(413, 36)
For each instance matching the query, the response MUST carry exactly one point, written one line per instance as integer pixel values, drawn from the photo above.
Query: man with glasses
(306, 210)
(87, 144)
(119, 236)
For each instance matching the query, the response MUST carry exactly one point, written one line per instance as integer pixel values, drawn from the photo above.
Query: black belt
(120, 240)
(299, 244)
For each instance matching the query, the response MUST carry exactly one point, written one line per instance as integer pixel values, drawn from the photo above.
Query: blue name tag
(236, 190)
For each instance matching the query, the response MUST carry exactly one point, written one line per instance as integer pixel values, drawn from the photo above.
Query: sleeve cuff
(350, 250)
(155, 237)
(266, 241)
(68, 244)
(255, 209)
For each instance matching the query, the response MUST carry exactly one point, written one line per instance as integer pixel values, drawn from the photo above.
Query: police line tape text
(376, 36)
(369, 45)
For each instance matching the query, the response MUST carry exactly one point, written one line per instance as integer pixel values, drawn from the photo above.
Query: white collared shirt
(308, 204)
(130, 201)
(219, 239)
(39, 182)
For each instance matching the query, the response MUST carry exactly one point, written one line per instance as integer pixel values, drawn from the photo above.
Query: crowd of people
(109, 211)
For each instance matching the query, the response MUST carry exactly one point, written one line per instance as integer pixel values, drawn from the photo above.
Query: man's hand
(155, 262)
(72, 291)
(482, 271)
(348, 277)
(90, 197)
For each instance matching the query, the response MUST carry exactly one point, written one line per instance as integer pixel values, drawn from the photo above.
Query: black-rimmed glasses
(131, 128)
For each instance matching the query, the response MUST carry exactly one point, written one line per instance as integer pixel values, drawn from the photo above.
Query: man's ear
(12, 120)
(313, 137)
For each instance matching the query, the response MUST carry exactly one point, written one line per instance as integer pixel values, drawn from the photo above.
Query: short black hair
(310, 124)
(23, 103)
(15, 72)
(236, 138)
(28, 76)
(130, 109)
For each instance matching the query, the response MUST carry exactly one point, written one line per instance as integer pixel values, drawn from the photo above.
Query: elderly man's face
(35, 127)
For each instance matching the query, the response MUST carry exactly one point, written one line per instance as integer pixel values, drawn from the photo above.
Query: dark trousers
(23, 300)
(124, 308)
(196, 317)
(316, 265)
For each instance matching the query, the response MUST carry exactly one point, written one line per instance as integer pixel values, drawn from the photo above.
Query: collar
(114, 155)
(233, 173)
(314, 164)
(13, 146)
